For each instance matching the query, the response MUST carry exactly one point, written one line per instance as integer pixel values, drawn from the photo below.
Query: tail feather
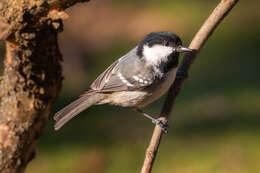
(73, 109)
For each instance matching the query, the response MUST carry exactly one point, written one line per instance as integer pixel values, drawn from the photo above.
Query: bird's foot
(158, 122)
(161, 124)
(181, 74)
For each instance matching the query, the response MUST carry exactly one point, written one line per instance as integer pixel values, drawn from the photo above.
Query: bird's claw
(161, 124)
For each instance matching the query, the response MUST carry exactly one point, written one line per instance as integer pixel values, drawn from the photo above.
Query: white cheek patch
(157, 53)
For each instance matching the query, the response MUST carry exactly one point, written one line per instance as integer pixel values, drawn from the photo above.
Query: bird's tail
(67, 113)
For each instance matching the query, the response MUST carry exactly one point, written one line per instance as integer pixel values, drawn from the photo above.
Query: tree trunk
(32, 75)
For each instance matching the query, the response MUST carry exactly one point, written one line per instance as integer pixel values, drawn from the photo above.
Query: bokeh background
(215, 126)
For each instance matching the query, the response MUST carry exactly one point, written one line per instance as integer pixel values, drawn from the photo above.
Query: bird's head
(157, 47)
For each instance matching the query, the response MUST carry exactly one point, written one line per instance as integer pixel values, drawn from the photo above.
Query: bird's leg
(158, 122)
(181, 74)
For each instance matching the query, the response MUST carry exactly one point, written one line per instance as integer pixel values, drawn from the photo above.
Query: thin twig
(197, 43)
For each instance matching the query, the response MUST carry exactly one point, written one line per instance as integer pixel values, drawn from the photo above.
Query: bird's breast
(161, 86)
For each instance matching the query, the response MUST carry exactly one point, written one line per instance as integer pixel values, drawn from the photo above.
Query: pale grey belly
(141, 98)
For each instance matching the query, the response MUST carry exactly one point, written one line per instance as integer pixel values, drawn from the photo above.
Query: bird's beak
(183, 49)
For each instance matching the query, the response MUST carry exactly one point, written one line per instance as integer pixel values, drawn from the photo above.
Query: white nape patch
(156, 54)
(123, 79)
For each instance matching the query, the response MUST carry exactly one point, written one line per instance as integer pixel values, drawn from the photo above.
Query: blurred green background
(215, 125)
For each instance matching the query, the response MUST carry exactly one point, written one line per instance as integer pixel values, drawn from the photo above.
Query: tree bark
(197, 43)
(32, 75)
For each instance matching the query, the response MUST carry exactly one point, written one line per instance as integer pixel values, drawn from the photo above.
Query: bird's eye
(166, 43)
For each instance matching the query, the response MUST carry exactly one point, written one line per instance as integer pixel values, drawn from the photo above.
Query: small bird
(135, 80)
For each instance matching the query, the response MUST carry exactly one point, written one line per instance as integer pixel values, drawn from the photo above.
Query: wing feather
(110, 81)
(102, 79)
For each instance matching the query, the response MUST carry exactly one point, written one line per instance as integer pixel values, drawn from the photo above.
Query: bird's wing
(104, 77)
(122, 75)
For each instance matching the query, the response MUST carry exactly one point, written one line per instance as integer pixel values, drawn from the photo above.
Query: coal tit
(135, 80)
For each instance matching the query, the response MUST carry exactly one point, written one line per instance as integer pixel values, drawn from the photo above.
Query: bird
(135, 80)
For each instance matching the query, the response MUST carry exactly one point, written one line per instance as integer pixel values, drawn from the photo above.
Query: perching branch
(32, 75)
(197, 43)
